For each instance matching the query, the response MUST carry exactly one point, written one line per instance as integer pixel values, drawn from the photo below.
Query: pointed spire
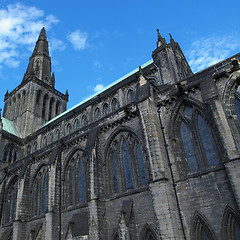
(161, 40)
(42, 35)
(41, 44)
(40, 62)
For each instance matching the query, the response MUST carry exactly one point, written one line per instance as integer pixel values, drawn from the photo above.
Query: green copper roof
(104, 89)
(9, 127)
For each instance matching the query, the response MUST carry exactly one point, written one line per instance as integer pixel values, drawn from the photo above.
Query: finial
(161, 40)
(66, 94)
(159, 36)
(6, 93)
(171, 39)
(140, 70)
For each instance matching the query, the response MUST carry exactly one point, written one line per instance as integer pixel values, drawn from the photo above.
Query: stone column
(164, 200)
(92, 205)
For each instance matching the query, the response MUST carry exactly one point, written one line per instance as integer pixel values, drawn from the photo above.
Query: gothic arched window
(44, 106)
(237, 102)
(197, 139)
(201, 229)
(148, 233)
(37, 103)
(69, 128)
(84, 121)
(105, 109)
(76, 124)
(130, 96)
(75, 179)
(97, 114)
(35, 146)
(115, 104)
(10, 154)
(58, 108)
(40, 192)
(51, 138)
(127, 163)
(11, 201)
(231, 224)
(50, 112)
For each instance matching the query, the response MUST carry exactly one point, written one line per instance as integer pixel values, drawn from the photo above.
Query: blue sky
(93, 43)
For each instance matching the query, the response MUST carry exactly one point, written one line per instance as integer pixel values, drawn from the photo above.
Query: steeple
(41, 44)
(40, 62)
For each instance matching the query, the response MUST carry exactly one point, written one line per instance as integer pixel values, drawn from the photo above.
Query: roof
(9, 127)
(104, 89)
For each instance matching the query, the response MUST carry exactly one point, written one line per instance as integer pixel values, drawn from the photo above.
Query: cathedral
(153, 156)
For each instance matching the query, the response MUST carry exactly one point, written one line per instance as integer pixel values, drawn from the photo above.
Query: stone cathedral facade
(156, 155)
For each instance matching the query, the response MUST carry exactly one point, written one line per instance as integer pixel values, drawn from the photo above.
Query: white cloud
(20, 27)
(97, 64)
(205, 52)
(56, 44)
(98, 88)
(78, 39)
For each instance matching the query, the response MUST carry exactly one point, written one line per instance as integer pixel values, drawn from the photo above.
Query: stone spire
(41, 44)
(40, 62)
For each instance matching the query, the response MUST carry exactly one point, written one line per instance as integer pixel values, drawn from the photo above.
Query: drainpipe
(170, 166)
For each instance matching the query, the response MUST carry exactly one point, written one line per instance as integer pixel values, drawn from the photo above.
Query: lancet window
(130, 96)
(40, 192)
(10, 154)
(11, 201)
(75, 179)
(115, 104)
(198, 141)
(127, 163)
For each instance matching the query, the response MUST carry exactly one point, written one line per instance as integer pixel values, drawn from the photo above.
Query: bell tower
(171, 62)
(35, 101)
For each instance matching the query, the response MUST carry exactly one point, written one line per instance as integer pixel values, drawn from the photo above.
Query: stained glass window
(188, 148)
(45, 193)
(114, 170)
(197, 140)
(105, 109)
(115, 104)
(81, 181)
(127, 166)
(207, 142)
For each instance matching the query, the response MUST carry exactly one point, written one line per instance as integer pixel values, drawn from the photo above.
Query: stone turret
(171, 62)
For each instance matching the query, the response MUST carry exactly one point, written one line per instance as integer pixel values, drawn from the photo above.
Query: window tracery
(40, 192)
(127, 163)
(75, 179)
(231, 223)
(11, 200)
(198, 141)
